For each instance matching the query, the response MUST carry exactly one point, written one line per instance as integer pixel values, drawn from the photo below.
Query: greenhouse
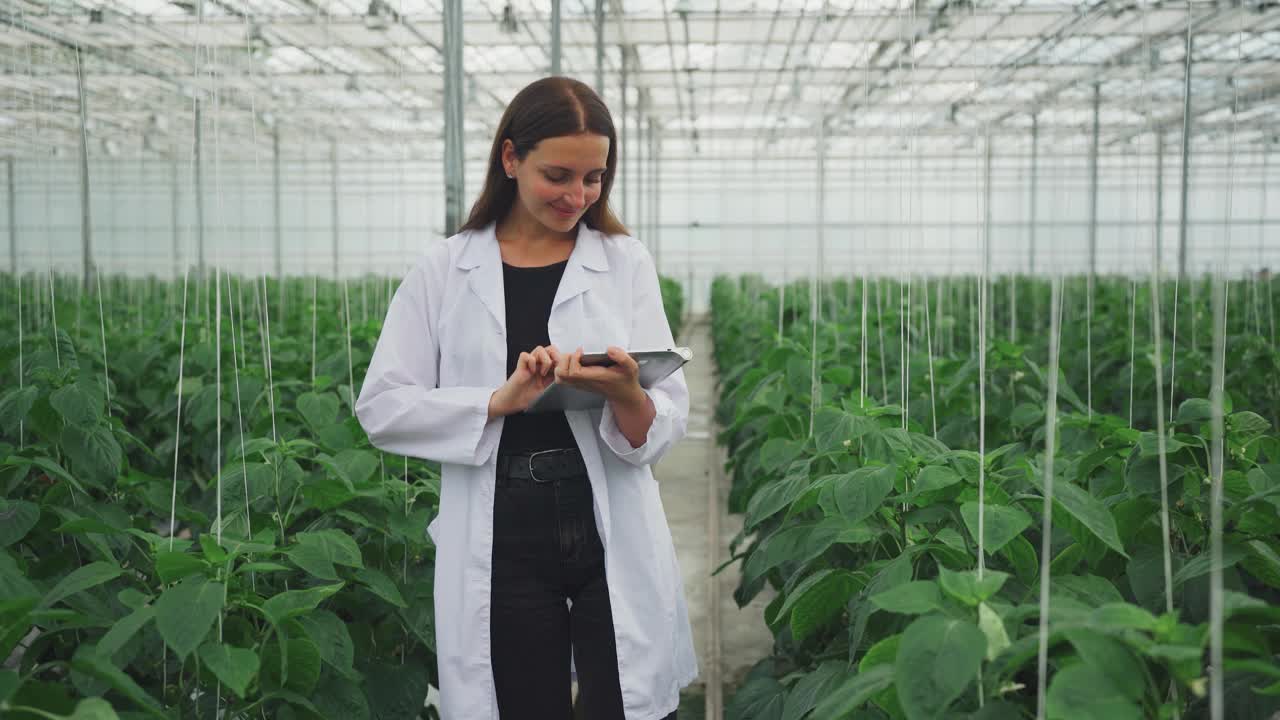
(974, 409)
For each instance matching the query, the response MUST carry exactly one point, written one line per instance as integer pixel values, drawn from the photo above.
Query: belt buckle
(531, 457)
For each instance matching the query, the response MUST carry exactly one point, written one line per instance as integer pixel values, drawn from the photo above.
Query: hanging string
(1046, 523)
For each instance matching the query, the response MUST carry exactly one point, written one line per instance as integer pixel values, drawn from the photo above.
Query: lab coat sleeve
(650, 331)
(400, 406)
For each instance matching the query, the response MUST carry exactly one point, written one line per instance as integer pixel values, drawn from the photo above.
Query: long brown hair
(550, 107)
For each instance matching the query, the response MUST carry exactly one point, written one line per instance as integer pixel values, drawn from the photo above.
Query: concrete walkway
(694, 495)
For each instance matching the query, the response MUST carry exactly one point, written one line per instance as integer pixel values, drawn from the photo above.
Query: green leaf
(1247, 425)
(1002, 523)
(992, 626)
(1083, 692)
(213, 552)
(777, 453)
(318, 409)
(186, 612)
(341, 698)
(76, 405)
(913, 598)
(773, 497)
(234, 667)
(381, 585)
(818, 603)
(883, 653)
(855, 496)
(1090, 590)
(303, 666)
(853, 693)
(1085, 508)
(357, 466)
(1149, 445)
(1123, 616)
(1232, 554)
(296, 602)
(317, 552)
(966, 587)
(173, 566)
(93, 451)
(1263, 562)
(810, 688)
(1142, 476)
(88, 661)
(14, 407)
(261, 567)
(332, 639)
(941, 656)
(1194, 410)
(832, 428)
(93, 709)
(934, 477)
(81, 578)
(17, 517)
(123, 630)
(1124, 672)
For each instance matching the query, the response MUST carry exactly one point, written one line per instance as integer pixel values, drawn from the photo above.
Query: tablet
(654, 366)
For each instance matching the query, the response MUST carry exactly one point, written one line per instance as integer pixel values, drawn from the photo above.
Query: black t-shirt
(529, 293)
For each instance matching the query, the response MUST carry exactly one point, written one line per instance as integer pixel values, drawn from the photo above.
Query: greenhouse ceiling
(368, 76)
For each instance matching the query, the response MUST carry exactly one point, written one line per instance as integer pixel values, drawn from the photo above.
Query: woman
(553, 550)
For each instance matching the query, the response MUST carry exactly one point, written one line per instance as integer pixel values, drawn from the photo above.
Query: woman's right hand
(535, 370)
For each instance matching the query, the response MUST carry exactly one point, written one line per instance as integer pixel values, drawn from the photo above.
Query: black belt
(543, 466)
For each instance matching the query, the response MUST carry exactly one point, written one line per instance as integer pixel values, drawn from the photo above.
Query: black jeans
(546, 549)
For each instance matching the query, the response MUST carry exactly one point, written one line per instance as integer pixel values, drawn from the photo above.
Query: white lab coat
(441, 354)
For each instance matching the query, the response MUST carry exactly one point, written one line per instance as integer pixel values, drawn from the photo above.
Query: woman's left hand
(619, 382)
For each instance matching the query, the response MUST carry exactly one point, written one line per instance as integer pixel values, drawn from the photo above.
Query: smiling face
(559, 178)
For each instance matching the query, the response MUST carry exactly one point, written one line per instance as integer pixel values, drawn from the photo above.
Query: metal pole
(1093, 183)
(624, 136)
(199, 183)
(13, 217)
(1186, 158)
(642, 157)
(815, 284)
(86, 234)
(1159, 200)
(599, 20)
(555, 37)
(333, 200)
(453, 138)
(275, 203)
(986, 210)
(174, 209)
(657, 197)
(1034, 203)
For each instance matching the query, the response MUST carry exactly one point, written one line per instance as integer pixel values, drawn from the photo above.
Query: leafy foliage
(860, 489)
(299, 608)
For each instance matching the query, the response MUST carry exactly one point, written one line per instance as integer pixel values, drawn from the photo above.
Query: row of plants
(672, 304)
(862, 512)
(120, 593)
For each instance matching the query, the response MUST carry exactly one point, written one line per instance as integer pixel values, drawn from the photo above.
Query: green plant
(313, 597)
(866, 522)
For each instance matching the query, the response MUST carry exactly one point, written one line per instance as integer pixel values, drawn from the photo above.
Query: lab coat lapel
(483, 261)
(588, 254)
